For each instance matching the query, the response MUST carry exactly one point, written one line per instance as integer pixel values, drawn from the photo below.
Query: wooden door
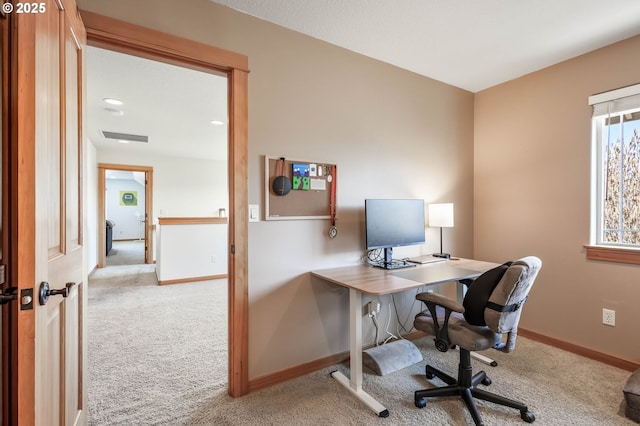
(51, 348)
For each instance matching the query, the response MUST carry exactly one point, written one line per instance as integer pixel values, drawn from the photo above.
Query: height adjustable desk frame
(375, 281)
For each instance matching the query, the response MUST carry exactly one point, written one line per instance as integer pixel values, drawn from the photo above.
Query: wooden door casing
(148, 203)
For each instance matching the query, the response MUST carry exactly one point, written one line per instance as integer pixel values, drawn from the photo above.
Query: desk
(361, 279)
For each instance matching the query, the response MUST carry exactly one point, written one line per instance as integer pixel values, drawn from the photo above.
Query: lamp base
(443, 255)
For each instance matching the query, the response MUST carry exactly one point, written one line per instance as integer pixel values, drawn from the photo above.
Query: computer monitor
(393, 223)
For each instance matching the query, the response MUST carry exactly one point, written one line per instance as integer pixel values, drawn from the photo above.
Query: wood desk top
(377, 281)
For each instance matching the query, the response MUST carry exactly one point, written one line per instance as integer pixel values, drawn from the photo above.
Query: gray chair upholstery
(492, 309)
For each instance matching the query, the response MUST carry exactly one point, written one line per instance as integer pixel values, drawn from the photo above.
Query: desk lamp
(441, 215)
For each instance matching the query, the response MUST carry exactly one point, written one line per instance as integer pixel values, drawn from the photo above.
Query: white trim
(614, 94)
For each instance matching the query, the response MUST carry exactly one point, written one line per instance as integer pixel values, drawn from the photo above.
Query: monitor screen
(394, 223)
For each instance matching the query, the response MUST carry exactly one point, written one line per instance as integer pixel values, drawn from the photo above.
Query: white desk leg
(354, 384)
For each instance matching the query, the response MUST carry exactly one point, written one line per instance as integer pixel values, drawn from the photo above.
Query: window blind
(616, 101)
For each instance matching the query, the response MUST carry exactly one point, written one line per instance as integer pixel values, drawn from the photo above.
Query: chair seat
(461, 333)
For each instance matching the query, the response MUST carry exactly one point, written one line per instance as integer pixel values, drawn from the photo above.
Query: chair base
(466, 388)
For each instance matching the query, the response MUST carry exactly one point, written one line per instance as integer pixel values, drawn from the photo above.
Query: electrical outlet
(609, 317)
(372, 308)
(213, 259)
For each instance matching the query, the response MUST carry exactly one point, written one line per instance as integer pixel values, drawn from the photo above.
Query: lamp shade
(441, 215)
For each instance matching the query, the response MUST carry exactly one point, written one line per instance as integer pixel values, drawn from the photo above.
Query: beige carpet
(125, 253)
(158, 356)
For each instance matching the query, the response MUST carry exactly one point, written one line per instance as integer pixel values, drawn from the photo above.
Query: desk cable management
(374, 318)
(400, 324)
(375, 257)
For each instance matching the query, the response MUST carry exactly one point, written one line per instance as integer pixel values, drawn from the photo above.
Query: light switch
(254, 213)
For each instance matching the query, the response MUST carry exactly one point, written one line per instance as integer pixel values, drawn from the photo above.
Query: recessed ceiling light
(114, 112)
(217, 122)
(122, 141)
(112, 101)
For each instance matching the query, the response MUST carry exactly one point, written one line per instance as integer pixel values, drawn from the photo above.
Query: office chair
(491, 307)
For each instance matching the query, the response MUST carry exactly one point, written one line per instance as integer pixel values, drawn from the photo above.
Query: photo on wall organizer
(300, 177)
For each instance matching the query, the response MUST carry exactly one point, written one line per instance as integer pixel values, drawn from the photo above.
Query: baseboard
(192, 279)
(579, 350)
(310, 367)
(297, 371)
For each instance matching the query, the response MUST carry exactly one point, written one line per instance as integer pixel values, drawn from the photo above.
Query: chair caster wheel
(486, 381)
(528, 416)
(420, 403)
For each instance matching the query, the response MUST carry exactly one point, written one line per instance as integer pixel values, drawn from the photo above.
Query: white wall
(191, 250)
(127, 218)
(205, 180)
(182, 187)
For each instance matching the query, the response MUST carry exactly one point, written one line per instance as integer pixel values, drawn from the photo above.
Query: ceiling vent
(125, 136)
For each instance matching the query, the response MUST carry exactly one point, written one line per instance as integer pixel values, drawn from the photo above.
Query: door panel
(48, 160)
(73, 71)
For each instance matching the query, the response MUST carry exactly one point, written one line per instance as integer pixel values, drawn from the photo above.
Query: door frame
(148, 202)
(123, 37)
(7, 317)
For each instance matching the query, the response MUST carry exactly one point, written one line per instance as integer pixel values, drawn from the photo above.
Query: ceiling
(471, 44)
(173, 106)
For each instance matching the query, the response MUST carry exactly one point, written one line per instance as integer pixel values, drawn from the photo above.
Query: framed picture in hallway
(128, 198)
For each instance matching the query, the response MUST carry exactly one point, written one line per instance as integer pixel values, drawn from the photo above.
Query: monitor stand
(388, 255)
(389, 263)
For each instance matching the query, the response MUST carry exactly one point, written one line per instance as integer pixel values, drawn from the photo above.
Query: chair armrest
(440, 325)
(467, 281)
(436, 299)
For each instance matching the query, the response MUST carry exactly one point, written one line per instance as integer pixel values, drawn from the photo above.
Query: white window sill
(613, 254)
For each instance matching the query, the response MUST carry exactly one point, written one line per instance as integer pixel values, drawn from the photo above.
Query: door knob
(45, 292)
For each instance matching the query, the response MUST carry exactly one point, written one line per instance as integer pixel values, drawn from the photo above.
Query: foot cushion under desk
(390, 357)
(632, 396)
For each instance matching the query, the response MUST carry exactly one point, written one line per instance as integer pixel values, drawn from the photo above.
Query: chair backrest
(501, 310)
(512, 291)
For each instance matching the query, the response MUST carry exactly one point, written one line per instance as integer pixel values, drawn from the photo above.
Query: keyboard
(427, 258)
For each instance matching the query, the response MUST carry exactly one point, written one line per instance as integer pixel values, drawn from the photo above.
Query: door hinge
(2, 276)
(9, 294)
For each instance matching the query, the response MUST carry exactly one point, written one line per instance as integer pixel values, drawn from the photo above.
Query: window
(616, 169)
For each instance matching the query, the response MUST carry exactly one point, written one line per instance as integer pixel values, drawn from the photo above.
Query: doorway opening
(124, 37)
(132, 201)
(124, 206)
